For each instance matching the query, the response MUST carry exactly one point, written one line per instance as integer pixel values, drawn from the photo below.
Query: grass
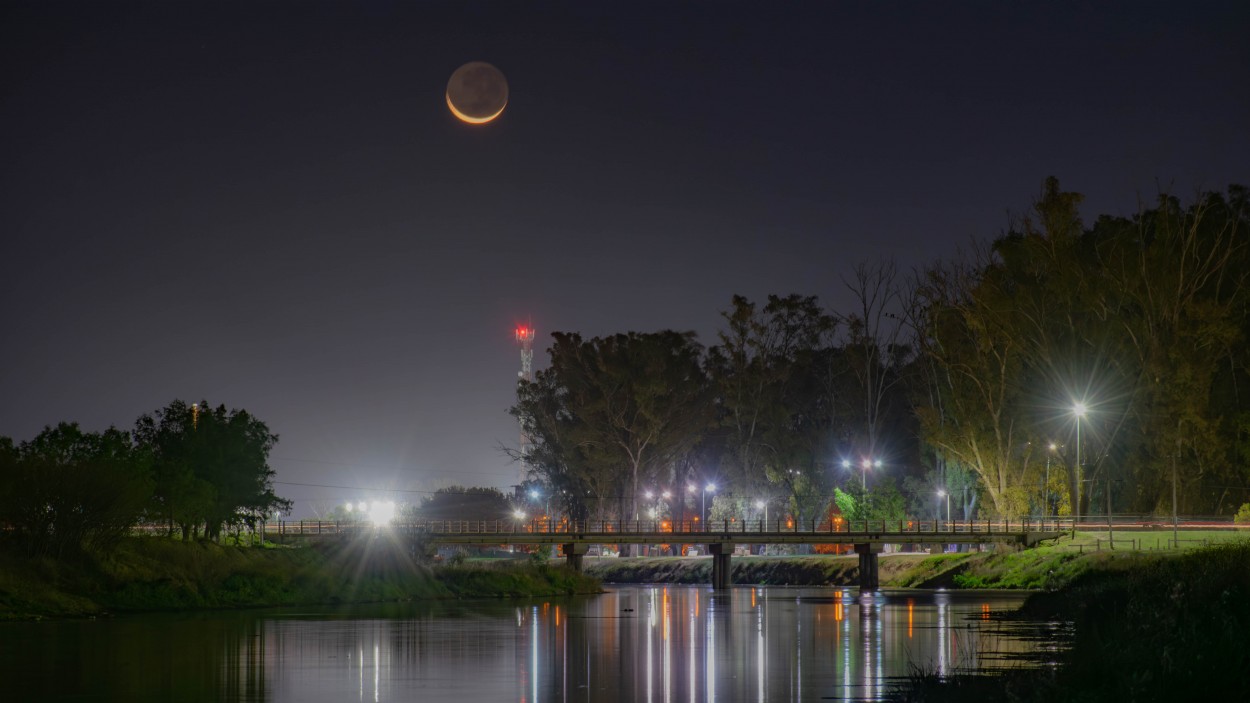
(1148, 628)
(1045, 567)
(149, 574)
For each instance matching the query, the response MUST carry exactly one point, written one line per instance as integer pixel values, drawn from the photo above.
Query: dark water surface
(634, 643)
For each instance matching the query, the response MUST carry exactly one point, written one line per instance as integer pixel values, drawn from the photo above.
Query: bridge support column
(573, 554)
(722, 571)
(868, 566)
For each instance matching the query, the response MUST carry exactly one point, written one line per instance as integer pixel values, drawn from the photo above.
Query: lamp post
(943, 494)
(763, 505)
(535, 495)
(1078, 409)
(1046, 484)
(709, 488)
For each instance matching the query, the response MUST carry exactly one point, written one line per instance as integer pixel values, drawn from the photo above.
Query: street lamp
(535, 495)
(709, 488)
(943, 494)
(1046, 485)
(763, 505)
(1078, 409)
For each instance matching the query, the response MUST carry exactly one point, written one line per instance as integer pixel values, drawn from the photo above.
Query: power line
(354, 465)
(465, 491)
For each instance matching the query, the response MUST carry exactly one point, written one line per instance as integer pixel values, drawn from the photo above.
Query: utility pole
(1178, 448)
(1110, 533)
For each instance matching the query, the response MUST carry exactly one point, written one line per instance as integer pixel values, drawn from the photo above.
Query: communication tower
(525, 339)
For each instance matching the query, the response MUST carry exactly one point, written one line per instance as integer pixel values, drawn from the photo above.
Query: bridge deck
(664, 532)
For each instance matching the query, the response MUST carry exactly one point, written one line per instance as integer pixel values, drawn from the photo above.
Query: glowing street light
(943, 494)
(865, 464)
(536, 495)
(763, 505)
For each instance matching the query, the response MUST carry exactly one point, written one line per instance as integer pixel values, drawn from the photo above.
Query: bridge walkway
(576, 537)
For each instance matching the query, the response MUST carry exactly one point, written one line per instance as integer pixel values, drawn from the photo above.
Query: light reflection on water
(646, 643)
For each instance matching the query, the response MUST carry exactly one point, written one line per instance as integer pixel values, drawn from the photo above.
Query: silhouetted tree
(613, 412)
(210, 465)
(66, 490)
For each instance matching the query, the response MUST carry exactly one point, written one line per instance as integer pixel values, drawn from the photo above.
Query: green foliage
(850, 508)
(772, 377)
(460, 503)
(210, 466)
(611, 414)
(66, 490)
(1243, 514)
(149, 573)
(1141, 318)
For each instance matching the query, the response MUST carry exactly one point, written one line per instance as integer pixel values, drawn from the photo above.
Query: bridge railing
(684, 529)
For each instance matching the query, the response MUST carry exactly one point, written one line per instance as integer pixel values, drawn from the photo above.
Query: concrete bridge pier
(868, 579)
(573, 553)
(722, 572)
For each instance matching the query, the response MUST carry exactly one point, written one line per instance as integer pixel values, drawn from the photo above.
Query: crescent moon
(466, 118)
(477, 93)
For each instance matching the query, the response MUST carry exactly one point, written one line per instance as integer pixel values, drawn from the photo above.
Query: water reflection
(631, 644)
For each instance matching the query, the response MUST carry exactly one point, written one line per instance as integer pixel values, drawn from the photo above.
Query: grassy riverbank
(146, 574)
(1148, 628)
(1045, 567)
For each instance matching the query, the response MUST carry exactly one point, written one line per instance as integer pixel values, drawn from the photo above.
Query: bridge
(866, 537)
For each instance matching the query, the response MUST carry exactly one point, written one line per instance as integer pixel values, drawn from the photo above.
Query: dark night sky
(268, 205)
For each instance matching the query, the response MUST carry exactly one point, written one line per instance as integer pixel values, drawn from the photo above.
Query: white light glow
(382, 512)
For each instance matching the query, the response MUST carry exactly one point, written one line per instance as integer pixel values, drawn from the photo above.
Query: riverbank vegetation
(152, 573)
(1046, 567)
(1146, 629)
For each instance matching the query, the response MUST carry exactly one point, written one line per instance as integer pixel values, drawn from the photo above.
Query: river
(633, 643)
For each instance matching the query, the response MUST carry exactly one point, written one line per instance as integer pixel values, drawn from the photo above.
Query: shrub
(1243, 514)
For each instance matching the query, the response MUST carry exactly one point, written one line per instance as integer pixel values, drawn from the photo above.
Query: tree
(1142, 319)
(211, 467)
(67, 491)
(875, 352)
(460, 503)
(774, 378)
(612, 412)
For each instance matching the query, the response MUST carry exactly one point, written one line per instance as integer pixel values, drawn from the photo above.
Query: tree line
(192, 470)
(963, 378)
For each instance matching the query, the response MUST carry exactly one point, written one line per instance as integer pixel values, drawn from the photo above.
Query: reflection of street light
(1078, 409)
